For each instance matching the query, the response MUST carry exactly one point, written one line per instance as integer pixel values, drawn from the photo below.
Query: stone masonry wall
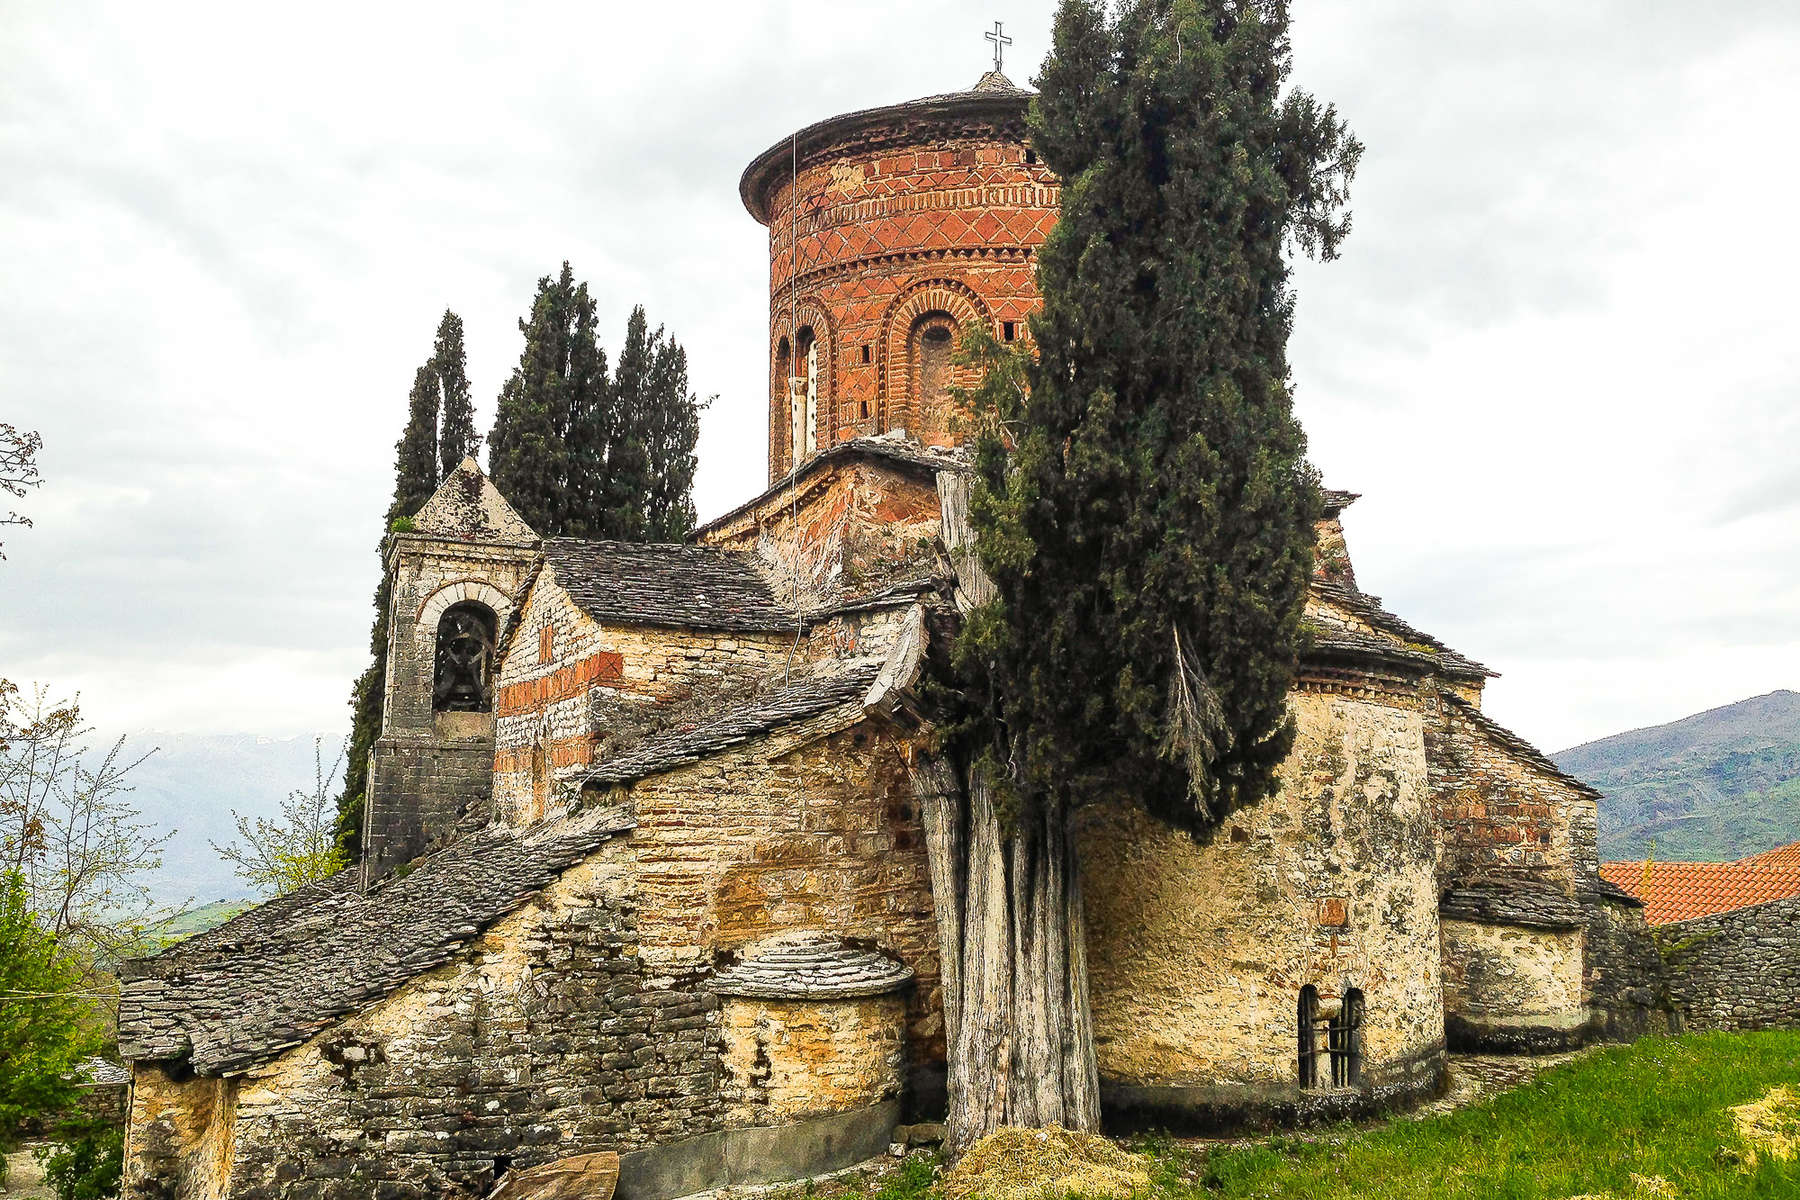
(548, 1037)
(771, 839)
(846, 530)
(1516, 978)
(1199, 952)
(786, 1060)
(1738, 969)
(1626, 984)
(420, 788)
(1501, 815)
(555, 706)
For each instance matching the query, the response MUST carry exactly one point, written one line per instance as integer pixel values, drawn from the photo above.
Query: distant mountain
(1708, 788)
(193, 783)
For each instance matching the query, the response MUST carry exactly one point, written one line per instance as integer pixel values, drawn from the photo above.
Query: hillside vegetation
(1715, 786)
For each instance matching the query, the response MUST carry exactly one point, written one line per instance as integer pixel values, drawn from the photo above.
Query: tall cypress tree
(1146, 521)
(672, 427)
(415, 479)
(628, 483)
(561, 375)
(457, 438)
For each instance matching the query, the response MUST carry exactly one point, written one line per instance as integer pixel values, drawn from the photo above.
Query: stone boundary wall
(1738, 969)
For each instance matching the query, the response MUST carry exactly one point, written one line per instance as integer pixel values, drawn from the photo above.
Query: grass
(1656, 1110)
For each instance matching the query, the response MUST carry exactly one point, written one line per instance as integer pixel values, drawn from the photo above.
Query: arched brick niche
(869, 209)
(918, 346)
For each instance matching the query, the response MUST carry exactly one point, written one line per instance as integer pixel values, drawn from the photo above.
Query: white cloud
(1557, 355)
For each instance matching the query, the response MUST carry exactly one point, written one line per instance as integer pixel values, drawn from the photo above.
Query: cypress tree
(593, 413)
(1145, 519)
(627, 483)
(672, 427)
(456, 435)
(528, 449)
(415, 479)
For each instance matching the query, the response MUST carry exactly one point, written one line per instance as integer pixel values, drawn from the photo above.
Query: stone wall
(420, 788)
(595, 681)
(816, 828)
(1512, 988)
(786, 1060)
(844, 530)
(548, 1037)
(1738, 969)
(1199, 952)
(1500, 814)
(1626, 986)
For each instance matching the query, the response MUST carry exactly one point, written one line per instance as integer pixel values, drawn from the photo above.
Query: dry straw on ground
(1044, 1164)
(1770, 1126)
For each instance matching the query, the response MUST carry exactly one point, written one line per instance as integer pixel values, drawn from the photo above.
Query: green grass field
(1656, 1110)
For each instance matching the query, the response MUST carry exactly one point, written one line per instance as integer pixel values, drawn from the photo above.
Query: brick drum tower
(892, 230)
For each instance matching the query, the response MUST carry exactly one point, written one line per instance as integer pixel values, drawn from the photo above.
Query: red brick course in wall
(874, 236)
(561, 684)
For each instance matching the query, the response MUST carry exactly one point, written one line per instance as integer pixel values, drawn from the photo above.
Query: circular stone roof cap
(994, 97)
(816, 966)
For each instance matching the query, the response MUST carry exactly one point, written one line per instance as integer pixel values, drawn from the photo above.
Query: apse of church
(892, 232)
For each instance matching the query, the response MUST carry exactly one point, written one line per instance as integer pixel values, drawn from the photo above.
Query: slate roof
(905, 453)
(813, 966)
(1524, 902)
(280, 973)
(1336, 501)
(467, 507)
(1681, 891)
(1369, 609)
(1519, 747)
(810, 695)
(677, 586)
(101, 1072)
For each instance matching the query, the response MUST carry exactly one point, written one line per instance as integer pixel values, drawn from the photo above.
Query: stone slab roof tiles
(1524, 902)
(1369, 609)
(675, 586)
(467, 506)
(813, 966)
(1681, 891)
(836, 685)
(1519, 747)
(281, 973)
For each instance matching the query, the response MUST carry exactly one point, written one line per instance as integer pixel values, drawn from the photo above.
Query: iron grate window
(1330, 1040)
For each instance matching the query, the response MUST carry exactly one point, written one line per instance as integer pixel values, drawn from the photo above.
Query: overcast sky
(1559, 356)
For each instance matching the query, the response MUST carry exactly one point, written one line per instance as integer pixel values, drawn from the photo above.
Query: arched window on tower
(932, 349)
(781, 408)
(463, 678)
(803, 396)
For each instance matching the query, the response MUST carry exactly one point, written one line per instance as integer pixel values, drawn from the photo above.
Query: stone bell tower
(453, 578)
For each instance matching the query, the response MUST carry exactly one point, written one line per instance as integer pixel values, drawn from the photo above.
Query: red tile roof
(1780, 856)
(1679, 891)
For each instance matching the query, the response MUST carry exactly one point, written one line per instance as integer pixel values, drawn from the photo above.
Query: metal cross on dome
(1001, 42)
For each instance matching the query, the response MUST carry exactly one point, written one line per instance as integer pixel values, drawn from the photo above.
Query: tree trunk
(1017, 1027)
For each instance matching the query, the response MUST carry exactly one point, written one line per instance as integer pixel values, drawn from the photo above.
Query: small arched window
(933, 368)
(803, 395)
(463, 679)
(1346, 1041)
(1308, 1020)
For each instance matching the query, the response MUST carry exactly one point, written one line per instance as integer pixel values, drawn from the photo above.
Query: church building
(645, 868)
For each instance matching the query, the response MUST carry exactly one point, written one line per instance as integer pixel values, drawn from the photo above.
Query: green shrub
(88, 1164)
